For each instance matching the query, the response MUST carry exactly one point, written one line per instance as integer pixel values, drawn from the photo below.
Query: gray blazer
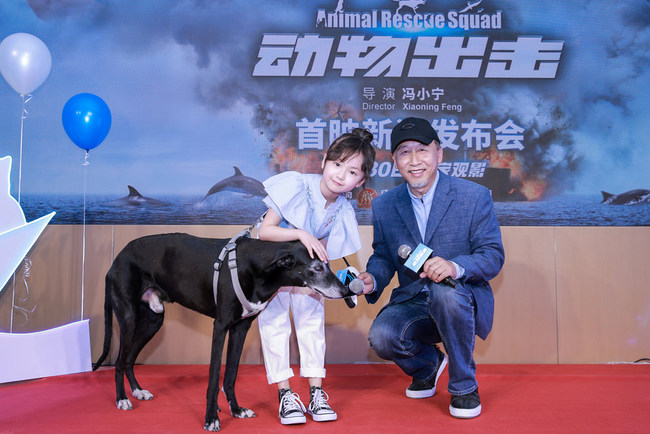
(462, 227)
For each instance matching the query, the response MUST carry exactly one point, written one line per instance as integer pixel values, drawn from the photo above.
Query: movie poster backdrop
(544, 103)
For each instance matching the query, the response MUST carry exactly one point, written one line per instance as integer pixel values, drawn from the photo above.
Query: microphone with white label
(416, 259)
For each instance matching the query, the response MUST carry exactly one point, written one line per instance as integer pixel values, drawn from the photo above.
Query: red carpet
(368, 399)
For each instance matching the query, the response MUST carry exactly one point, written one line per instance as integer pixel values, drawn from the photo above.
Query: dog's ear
(286, 260)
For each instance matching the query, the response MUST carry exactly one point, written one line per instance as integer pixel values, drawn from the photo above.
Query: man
(456, 219)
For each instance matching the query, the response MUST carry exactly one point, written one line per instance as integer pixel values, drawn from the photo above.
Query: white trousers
(308, 310)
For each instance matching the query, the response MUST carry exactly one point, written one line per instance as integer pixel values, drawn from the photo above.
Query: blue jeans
(407, 334)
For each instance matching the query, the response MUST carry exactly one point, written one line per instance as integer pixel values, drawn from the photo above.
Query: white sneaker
(318, 407)
(292, 410)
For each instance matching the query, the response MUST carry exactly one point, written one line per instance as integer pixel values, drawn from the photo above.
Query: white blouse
(297, 198)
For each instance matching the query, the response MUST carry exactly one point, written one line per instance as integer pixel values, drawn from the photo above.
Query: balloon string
(26, 272)
(24, 311)
(83, 242)
(26, 98)
(23, 115)
(13, 303)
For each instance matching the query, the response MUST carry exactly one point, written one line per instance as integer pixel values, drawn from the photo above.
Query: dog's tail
(108, 326)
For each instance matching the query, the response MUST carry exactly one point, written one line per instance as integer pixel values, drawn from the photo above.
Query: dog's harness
(229, 249)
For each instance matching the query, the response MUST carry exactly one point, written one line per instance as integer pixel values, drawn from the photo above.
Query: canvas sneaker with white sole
(319, 409)
(465, 406)
(420, 389)
(292, 410)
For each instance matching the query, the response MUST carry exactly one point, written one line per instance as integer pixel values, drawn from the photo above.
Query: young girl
(312, 209)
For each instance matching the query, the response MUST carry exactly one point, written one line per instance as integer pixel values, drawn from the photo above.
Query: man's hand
(437, 268)
(368, 282)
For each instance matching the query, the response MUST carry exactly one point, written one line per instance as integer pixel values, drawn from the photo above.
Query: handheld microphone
(356, 286)
(416, 259)
(349, 278)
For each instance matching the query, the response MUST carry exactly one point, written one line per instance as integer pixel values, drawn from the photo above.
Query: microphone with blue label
(348, 277)
(415, 259)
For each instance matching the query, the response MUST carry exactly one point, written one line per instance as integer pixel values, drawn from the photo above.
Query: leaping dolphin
(632, 197)
(240, 184)
(135, 199)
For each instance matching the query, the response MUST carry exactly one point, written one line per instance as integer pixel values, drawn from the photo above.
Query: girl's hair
(349, 144)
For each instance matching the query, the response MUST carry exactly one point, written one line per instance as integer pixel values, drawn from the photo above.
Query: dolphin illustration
(135, 199)
(632, 197)
(239, 183)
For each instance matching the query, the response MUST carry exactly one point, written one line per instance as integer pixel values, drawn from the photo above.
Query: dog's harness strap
(248, 308)
(230, 250)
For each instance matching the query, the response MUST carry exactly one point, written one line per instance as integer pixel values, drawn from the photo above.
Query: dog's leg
(212, 410)
(125, 313)
(236, 338)
(121, 400)
(147, 324)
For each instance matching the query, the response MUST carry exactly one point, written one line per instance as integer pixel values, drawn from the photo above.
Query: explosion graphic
(544, 166)
(284, 153)
(548, 162)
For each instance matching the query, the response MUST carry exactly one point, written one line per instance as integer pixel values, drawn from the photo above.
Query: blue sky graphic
(176, 76)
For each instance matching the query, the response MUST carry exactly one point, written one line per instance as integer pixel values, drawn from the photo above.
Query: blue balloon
(86, 120)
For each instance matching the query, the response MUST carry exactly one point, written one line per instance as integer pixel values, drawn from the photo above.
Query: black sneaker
(292, 410)
(426, 388)
(465, 406)
(318, 406)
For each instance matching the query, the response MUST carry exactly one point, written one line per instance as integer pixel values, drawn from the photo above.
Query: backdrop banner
(544, 103)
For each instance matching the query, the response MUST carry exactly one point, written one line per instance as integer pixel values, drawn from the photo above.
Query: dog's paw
(212, 426)
(124, 404)
(142, 395)
(242, 413)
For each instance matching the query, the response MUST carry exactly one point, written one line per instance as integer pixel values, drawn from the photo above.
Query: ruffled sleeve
(344, 237)
(287, 196)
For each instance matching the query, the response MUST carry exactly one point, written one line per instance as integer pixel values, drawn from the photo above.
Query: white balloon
(25, 62)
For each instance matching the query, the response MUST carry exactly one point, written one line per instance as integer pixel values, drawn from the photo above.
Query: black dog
(180, 268)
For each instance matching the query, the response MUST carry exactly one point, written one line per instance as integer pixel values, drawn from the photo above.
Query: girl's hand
(314, 246)
(271, 231)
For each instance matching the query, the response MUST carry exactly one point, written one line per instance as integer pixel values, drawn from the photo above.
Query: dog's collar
(229, 249)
